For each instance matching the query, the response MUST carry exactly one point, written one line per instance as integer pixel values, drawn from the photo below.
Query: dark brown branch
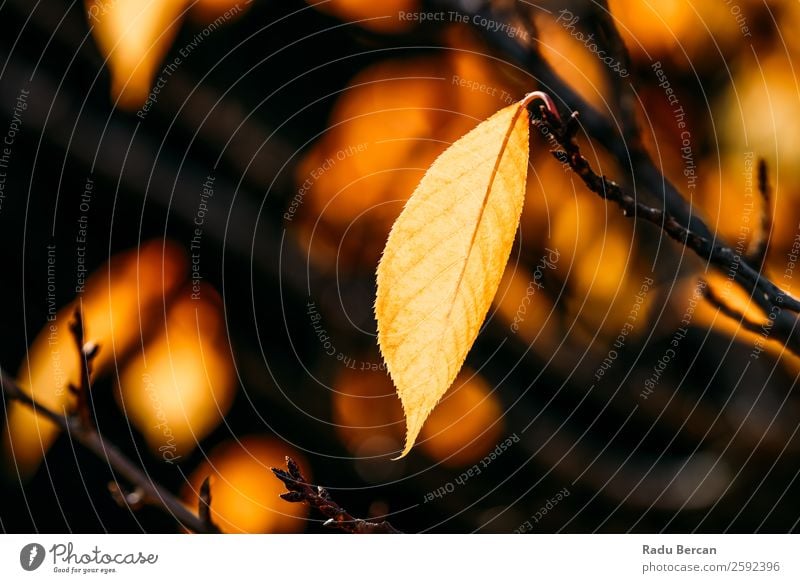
(204, 504)
(615, 135)
(88, 352)
(146, 489)
(318, 498)
(133, 500)
(600, 22)
(758, 254)
(675, 219)
(764, 292)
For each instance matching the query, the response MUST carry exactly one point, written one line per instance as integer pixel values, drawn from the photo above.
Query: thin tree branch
(624, 143)
(758, 254)
(731, 313)
(88, 352)
(318, 498)
(146, 490)
(601, 23)
(204, 504)
(676, 220)
(615, 135)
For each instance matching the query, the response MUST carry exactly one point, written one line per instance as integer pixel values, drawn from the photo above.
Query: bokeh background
(213, 183)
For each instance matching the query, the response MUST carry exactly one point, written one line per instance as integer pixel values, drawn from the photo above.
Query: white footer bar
(400, 558)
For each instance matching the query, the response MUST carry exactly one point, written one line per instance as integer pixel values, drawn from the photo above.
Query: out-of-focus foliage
(168, 341)
(367, 413)
(384, 16)
(582, 70)
(760, 119)
(385, 131)
(677, 27)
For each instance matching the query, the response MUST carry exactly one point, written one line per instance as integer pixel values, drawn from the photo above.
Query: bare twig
(615, 135)
(601, 23)
(88, 352)
(621, 137)
(318, 498)
(133, 500)
(782, 307)
(758, 254)
(204, 504)
(730, 312)
(146, 490)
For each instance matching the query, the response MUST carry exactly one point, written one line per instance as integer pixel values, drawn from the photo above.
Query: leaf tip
(409, 445)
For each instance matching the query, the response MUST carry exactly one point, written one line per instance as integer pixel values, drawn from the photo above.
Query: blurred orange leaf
(179, 387)
(245, 496)
(121, 300)
(134, 36)
(366, 411)
(444, 259)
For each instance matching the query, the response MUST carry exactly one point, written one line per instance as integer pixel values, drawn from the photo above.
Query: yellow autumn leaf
(444, 259)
